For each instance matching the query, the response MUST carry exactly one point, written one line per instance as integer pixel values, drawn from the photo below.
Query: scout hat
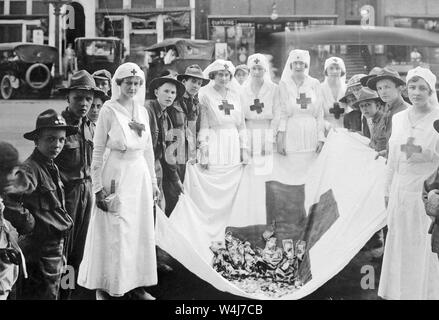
(8, 156)
(157, 82)
(50, 119)
(352, 82)
(193, 71)
(81, 80)
(385, 73)
(372, 74)
(348, 93)
(102, 74)
(366, 94)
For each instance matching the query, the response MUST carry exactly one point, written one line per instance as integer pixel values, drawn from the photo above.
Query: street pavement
(176, 282)
(19, 116)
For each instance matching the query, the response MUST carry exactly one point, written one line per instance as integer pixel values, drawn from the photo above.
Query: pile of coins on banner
(272, 271)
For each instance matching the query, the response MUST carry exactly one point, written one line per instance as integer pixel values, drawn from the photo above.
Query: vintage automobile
(25, 68)
(175, 54)
(97, 53)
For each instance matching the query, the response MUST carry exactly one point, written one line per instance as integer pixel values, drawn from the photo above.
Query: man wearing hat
(74, 162)
(43, 248)
(430, 196)
(164, 138)
(389, 86)
(184, 114)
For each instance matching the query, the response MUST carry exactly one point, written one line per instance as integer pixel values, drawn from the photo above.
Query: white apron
(303, 115)
(410, 270)
(120, 251)
(328, 103)
(261, 123)
(223, 131)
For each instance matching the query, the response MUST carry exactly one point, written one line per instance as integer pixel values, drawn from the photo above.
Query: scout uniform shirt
(74, 161)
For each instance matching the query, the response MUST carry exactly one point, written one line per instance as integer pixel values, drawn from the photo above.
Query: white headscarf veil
(295, 55)
(429, 77)
(260, 60)
(126, 70)
(219, 65)
(340, 63)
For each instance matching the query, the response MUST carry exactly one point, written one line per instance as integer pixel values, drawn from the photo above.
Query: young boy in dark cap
(184, 115)
(368, 102)
(165, 139)
(352, 120)
(389, 86)
(74, 162)
(43, 248)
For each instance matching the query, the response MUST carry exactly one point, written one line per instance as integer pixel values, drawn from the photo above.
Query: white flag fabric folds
(236, 197)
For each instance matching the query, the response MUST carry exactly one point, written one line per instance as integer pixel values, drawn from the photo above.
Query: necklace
(414, 122)
(134, 125)
(256, 88)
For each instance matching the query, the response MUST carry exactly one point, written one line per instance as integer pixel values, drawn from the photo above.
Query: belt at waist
(126, 154)
(78, 180)
(224, 126)
(301, 115)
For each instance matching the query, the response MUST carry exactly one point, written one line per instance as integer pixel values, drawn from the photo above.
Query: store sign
(222, 22)
(321, 22)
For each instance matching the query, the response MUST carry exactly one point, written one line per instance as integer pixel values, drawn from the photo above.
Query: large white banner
(278, 188)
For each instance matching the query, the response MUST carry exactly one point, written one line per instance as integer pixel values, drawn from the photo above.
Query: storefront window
(110, 4)
(17, 7)
(144, 24)
(176, 3)
(137, 4)
(113, 27)
(10, 33)
(234, 41)
(177, 25)
(40, 7)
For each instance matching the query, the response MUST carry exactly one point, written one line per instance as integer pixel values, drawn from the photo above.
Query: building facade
(238, 27)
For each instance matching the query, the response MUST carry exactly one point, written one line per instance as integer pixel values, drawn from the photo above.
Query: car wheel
(6, 90)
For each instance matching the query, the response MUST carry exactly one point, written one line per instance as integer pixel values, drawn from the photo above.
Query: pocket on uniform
(71, 152)
(48, 198)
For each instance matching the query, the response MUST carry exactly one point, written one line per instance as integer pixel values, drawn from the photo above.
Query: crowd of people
(86, 196)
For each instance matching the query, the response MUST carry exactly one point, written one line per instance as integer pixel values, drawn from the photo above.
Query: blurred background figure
(241, 73)
(69, 61)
